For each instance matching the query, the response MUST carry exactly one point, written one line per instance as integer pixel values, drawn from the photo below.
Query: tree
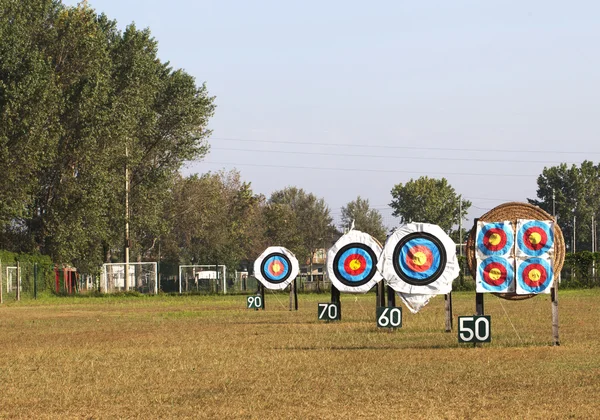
(364, 217)
(573, 194)
(429, 200)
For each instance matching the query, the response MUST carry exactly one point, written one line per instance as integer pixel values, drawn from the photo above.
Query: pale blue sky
(515, 84)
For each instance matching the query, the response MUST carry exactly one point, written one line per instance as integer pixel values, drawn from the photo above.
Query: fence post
(18, 280)
(35, 275)
(1, 297)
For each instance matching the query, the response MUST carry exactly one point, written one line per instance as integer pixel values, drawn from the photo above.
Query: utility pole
(126, 273)
(460, 238)
(553, 204)
(574, 236)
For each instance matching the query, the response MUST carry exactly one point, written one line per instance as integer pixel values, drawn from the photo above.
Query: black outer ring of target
(265, 272)
(404, 241)
(340, 276)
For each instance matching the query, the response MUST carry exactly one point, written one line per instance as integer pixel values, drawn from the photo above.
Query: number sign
(389, 317)
(254, 302)
(329, 312)
(474, 329)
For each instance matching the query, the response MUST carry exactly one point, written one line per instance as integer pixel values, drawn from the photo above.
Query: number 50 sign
(474, 329)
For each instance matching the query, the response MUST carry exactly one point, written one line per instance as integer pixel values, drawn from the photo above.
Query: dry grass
(209, 357)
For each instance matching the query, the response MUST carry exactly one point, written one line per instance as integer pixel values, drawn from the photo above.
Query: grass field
(209, 357)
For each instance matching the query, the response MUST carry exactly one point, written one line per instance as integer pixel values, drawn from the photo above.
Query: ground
(209, 357)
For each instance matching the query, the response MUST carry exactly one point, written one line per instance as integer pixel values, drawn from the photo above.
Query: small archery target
(534, 275)
(495, 274)
(494, 239)
(352, 262)
(419, 258)
(276, 267)
(535, 238)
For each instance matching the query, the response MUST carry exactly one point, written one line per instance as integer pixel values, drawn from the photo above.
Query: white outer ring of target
(294, 269)
(442, 285)
(354, 236)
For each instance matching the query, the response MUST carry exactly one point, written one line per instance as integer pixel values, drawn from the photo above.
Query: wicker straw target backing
(511, 212)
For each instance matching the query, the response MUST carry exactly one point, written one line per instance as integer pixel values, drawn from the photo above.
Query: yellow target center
(535, 238)
(495, 273)
(354, 264)
(495, 239)
(419, 258)
(535, 275)
(276, 268)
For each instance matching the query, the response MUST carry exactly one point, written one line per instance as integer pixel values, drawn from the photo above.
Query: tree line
(82, 103)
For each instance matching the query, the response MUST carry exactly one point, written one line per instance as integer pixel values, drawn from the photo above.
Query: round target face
(276, 267)
(535, 275)
(535, 238)
(355, 264)
(495, 239)
(496, 274)
(419, 258)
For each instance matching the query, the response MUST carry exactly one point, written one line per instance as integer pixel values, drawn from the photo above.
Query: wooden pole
(35, 275)
(295, 295)
(448, 310)
(1, 297)
(18, 280)
(380, 295)
(391, 296)
(262, 296)
(479, 304)
(335, 298)
(554, 298)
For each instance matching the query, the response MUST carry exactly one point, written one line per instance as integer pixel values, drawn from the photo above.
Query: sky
(348, 98)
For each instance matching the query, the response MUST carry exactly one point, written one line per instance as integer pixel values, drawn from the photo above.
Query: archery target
(419, 258)
(352, 262)
(534, 275)
(535, 238)
(495, 274)
(276, 267)
(494, 239)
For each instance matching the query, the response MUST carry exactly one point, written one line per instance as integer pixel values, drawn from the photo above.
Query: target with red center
(352, 262)
(355, 264)
(495, 274)
(276, 267)
(534, 237)
(418, 262)
(419, 258)
(534, 275)
(495, 239)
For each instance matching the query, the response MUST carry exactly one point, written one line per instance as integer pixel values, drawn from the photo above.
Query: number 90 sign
(254, 302)
(474, 329)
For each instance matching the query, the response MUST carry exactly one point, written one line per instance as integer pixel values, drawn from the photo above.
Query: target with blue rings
(534, 275)
(355, 264)
(419, 258)
(495, 274)
(496, 238)
(535, 238)
(276, 268)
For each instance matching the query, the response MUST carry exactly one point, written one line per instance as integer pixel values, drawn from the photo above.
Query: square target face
(534, 275)
(494, 239)
(535, 238)
(495, 275)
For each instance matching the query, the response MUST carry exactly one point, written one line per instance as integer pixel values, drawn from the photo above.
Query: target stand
(514, 251)
(275, 269)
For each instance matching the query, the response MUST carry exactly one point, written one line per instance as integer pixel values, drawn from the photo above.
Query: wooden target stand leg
(335, 298)
(554, 299)
(380, 294)
(293, 296)
(448, 310)
(261, 292)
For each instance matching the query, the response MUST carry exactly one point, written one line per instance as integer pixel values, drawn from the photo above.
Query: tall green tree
(429, 200)
(365, 218)
(313, 222)
(573, 194)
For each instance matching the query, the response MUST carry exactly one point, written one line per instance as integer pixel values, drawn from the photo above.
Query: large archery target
(419, 258)
(534, 275)
(494, 239)
(495, 274)
(352, 262)
(535, 238)
(276, 267)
